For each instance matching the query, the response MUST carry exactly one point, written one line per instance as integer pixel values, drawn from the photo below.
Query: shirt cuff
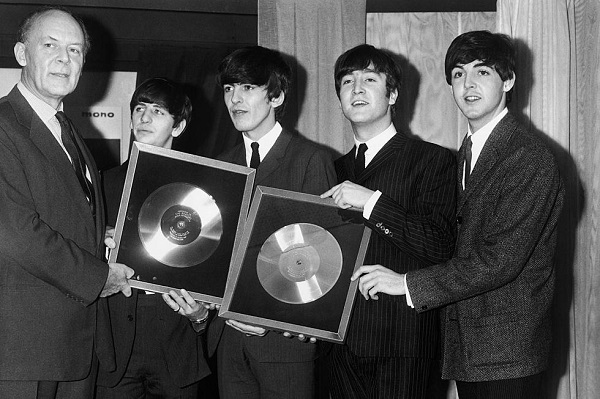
(409, 301)
(371, 204)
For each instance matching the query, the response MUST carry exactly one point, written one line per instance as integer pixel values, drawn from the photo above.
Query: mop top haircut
(259, 66)
(29, 22)
(494, 50)
(167, 94)
(363, 57)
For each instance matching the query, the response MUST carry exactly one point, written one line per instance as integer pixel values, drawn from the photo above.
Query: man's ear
(19, 51)
(508, 84)
(179, 129)
(393, 97)
(277, 101)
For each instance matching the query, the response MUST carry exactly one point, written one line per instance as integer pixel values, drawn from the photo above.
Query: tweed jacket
(499, 285)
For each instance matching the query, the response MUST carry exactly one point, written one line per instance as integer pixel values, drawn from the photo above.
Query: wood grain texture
(585, 149)
(419, 41)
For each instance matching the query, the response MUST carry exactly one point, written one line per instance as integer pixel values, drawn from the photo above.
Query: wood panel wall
(419, 41)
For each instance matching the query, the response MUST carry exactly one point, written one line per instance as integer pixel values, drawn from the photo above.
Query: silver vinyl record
(299, 263)
(180, 225)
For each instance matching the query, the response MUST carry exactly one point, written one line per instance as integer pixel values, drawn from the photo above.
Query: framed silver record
(178, 220)
(293, 265)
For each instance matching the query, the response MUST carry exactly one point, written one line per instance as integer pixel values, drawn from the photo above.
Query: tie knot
(61, 117)
(359, 162)
(362, 148)
(255, 159)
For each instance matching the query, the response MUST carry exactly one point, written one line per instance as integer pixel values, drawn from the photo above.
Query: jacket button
(424, 307)
(459, 219)
(130, 317)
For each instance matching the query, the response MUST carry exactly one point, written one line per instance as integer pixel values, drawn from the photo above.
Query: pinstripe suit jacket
(499, 284)
(296, 164)
(413, 224)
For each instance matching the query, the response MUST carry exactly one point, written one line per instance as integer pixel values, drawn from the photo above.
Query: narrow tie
(255, 160)
(468, 156)
(68, 138)
(359, 162)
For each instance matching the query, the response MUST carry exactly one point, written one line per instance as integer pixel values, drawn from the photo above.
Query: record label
(299, 263)
(180, 225)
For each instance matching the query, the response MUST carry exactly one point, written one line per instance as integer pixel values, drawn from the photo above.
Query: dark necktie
(359, 162)
(468, 156)
(255, 160)
(68, 138)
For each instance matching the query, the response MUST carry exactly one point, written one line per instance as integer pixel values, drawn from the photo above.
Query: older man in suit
(405, 189)
(51, 214)
(497, 289)
(251, 361)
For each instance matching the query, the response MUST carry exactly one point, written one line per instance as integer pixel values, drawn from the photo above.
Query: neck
(258, 134)
(366, 132)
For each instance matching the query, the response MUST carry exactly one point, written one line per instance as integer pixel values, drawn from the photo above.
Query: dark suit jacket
(499, 284)
(50, 268)
(181, 345)
(413, 227)
(296, 164)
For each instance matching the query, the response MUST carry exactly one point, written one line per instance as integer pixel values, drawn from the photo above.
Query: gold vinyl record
(180, 225)
(299, 263)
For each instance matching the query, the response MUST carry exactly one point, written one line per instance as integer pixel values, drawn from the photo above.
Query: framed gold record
(293, 265)
(178, 220)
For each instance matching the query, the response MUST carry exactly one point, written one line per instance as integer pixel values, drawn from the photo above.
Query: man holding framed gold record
(158, 352)
(253, 362)
(405, 189)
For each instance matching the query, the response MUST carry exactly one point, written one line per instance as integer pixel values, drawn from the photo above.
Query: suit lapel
(271, 162)
(491, 153)
(388, 151)
(42, 138)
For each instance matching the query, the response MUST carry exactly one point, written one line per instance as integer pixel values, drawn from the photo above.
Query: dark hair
(29, 21)
(168, 95)
(495, 50)
(258, 66)
(366, 56)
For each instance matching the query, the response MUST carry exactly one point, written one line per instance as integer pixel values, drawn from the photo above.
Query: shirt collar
(375, 144)
(41, 108)
(482, 134)
(265, 143)
(480, 137)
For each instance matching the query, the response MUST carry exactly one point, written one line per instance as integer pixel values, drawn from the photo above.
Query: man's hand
(301, 337)
(109, 237)
(375, 279)
(118, 274)
(348, 194)
(187, 306)
(247, 328)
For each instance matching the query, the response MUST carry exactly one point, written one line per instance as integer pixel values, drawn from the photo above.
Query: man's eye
(158, 111)
(346, 81)
(457, 74)
(248, 87)
(227, 88)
